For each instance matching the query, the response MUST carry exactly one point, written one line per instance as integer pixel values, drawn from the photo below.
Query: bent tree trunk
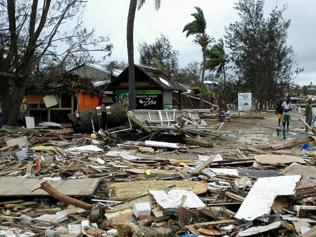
(130, 53)
(12, 91)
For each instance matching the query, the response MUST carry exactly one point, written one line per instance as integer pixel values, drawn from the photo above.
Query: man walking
(308, 113)
(287, 108)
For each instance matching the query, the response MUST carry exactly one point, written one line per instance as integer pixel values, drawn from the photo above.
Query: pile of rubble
(57, 183)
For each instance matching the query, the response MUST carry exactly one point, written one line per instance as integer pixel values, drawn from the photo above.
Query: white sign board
(50, 101)
(244, 101)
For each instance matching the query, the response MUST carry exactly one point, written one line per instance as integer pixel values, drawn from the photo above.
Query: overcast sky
(108, 17)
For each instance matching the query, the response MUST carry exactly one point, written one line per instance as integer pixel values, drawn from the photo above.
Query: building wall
(167, 99)
(86, 101)
(35, 107)
(145, 98)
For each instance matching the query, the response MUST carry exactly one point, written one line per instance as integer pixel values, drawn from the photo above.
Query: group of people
(283, 111)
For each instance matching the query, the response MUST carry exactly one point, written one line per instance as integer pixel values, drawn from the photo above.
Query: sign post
(244, 102)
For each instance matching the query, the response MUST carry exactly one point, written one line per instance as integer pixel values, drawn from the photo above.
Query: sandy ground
(249, 132)
(260, 131)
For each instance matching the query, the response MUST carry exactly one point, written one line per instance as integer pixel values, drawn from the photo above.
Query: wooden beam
(313, 130)
(203, 165)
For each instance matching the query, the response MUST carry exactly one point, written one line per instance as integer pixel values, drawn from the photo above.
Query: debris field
(181, 176)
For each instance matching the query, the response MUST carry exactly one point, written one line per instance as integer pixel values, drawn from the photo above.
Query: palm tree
(198, 28)
(130, 48)
(217, 59)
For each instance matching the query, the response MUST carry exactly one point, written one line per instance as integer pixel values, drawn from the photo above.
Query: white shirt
(286, 106)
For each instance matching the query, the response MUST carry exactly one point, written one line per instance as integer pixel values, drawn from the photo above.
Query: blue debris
(307, 147)
(188, 235)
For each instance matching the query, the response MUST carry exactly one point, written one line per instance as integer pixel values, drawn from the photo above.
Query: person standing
(308, 113)
(287, 108)
(279, 112)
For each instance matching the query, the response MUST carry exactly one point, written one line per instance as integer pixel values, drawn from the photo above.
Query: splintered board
(129, 190)
(13, 186)
(271, 159)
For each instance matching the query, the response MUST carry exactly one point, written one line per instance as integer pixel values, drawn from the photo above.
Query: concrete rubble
(172, 174)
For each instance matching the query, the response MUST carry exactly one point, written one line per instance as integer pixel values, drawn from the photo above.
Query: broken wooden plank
(270, 159)
(130, 190)
(215, 223)
(305, 192)
(295, 153)
(234, 196)
(203, 165)
(293, 143)
(133, 119)
(14, 186)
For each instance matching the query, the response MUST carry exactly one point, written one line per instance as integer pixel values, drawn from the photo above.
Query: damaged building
(53, 98)
(154, 89)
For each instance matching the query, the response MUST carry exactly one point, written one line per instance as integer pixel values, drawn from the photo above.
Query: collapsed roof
(63, 84)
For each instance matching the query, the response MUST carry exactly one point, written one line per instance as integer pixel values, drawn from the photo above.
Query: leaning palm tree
(198, 28)
(130, 49)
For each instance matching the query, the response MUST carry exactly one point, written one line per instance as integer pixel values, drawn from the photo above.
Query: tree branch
(54, 30)
(45, 11)
(13, 51)
(33, 19)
